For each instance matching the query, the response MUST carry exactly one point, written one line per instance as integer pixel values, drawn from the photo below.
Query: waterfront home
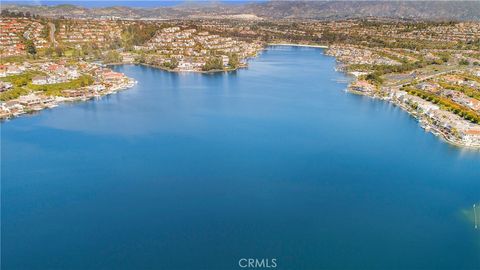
(127, 57)
(362, 86)
(13, 106)
(427, 107)
(4, 111)
(29, 100)
(185, 65)
(471, 136)
(225, 60)
(47, 99)
(73, 93)
(112, 77)
(96, 87)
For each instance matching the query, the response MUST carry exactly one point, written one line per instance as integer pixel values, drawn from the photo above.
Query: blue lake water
(196, 171)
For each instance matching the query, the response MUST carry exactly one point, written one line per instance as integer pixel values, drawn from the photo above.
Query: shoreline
(241, 66)
(183, 71)
(298, 45)
(432, 128)
(421, 119)
(59, 100)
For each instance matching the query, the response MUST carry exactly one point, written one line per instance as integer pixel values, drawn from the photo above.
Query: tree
(49, 51)
(127, 40)
(444, 56)
(31, 49)
(59, 51)
(45, 32)
(112, 57)
(233, 60)
(91, 49)
(115, 43)
(137, 34)
(5, 13)
(173, 64)
(213, 63)
(140, 58)
(198, 47)
(374, 78)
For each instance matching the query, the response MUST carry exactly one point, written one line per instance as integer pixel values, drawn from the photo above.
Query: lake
(197, 171)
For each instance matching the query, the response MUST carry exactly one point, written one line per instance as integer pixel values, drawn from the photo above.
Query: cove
(197, 171)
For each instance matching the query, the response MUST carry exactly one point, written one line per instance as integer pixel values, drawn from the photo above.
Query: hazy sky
(148, 3)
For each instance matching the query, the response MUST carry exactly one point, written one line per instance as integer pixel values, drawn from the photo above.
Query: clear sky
(148, 3)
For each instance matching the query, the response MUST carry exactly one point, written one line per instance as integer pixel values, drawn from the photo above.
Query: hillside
(327, 10)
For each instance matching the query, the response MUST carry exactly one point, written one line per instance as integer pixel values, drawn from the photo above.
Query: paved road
(435, 74)
(52, 33)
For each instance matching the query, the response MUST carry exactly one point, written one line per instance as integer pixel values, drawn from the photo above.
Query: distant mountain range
(326, 10)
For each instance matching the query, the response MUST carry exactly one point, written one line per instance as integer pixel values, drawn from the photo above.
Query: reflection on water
(472, 215)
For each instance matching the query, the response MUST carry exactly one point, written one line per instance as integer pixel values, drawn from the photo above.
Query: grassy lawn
(57, 88)
(23, 85)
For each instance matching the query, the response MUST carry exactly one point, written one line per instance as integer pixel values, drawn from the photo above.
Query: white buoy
(475, 216)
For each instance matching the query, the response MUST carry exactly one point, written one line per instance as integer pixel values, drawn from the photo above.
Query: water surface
(196, 171)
